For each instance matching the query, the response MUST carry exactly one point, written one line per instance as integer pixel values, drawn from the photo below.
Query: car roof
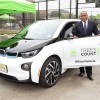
(62, 20)
(67, 19)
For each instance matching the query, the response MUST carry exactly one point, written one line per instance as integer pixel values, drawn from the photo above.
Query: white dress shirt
(86, 23)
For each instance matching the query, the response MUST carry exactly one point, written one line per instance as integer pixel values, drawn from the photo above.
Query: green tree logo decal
(73, 52)
(98, 51)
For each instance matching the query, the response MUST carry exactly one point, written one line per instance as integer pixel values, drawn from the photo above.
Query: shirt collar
(85, 21)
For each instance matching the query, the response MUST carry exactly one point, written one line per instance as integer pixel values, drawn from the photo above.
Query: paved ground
(69, 87)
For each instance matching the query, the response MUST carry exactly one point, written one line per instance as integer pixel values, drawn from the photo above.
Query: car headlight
(30, 54)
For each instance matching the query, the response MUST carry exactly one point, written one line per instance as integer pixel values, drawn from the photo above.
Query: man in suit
(85, 28)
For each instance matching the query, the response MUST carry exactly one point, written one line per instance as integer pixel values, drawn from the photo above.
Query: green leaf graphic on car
(98, 51)
(13, 40)
(73, 52)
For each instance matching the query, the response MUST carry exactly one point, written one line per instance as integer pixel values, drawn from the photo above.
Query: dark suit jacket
(78, 29)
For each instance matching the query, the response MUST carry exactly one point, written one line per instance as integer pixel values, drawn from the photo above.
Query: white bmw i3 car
(44, 50)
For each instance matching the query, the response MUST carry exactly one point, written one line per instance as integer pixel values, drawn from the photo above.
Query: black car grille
(2, 52)
(8, 54)
(11, 78)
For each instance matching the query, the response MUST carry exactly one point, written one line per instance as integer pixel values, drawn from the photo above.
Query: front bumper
(14, 71)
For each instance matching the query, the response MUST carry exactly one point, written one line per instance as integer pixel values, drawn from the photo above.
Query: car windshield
(42, 30)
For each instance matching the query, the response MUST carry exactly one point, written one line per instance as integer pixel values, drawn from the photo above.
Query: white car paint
(73, 53)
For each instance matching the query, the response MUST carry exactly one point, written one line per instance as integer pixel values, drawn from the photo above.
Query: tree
(54, 14)
(92, 17)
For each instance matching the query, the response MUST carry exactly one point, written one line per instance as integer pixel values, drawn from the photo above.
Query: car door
(81, 51)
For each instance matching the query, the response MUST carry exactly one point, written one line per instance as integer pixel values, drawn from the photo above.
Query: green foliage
(54, 14)
(92, 17)
(62, 15)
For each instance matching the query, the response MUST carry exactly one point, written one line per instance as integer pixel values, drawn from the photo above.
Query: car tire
(50, 72)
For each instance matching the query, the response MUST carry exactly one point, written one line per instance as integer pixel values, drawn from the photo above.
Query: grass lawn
(8, 31)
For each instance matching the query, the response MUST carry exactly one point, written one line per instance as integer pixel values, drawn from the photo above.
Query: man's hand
(98, 34)
(75, 37)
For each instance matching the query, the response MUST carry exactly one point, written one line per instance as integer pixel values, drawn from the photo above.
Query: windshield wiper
(27, 39)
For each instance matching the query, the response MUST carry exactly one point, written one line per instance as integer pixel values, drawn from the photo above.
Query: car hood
(27, 45)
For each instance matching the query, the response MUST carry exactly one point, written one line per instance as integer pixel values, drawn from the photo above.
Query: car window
(42, 30)
(22, 33)
(67, 30)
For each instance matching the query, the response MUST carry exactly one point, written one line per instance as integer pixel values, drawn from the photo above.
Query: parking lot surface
(69, 87)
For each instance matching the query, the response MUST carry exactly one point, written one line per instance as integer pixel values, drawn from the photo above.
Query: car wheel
(50, 72)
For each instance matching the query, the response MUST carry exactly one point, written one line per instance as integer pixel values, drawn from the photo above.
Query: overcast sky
(65, 4)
